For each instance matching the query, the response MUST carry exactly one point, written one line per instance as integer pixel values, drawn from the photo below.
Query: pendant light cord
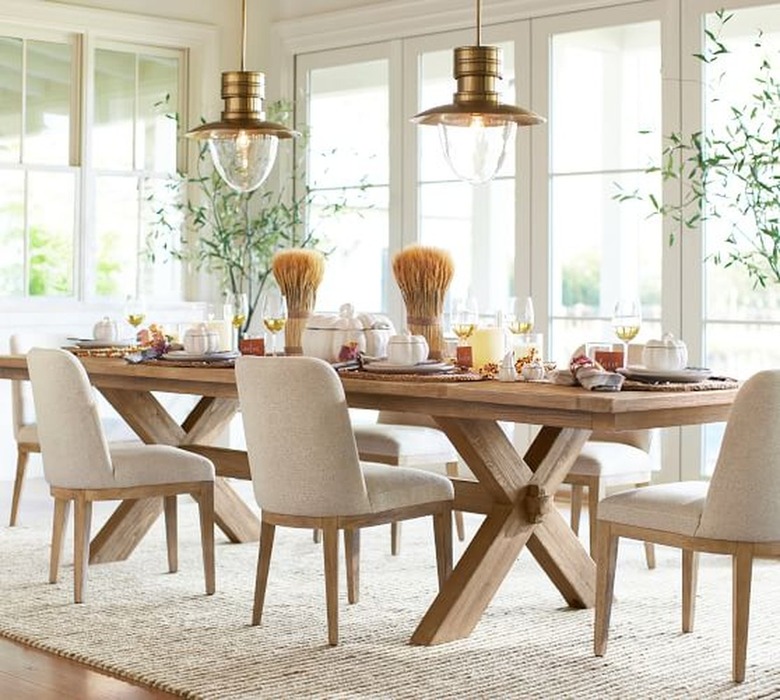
(479, 22)
(243, 35)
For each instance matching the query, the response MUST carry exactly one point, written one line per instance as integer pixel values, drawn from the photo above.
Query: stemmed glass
(135, 311)
(274, 311)
(626, 321)
(237, 308)
(464, 319)
(521, 315)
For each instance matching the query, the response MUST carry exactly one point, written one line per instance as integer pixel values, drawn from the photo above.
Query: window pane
(10, 99)
(339, 153)
(605, 91)
(47, 132)
(358, 265)
(51, 230)
(114, 100)
(11, 234)
(117, 236)
(158, 101)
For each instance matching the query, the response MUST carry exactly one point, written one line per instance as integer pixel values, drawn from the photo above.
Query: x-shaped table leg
(520, 511)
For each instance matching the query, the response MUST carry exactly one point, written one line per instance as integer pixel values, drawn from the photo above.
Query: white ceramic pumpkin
(325, 334)
(106, 330)
(665, 354)
(407, 349)
(200, 339)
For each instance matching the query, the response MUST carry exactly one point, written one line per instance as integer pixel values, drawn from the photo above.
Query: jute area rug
(146, 625)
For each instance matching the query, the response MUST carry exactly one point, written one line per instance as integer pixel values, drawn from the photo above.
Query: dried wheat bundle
(423, 274)
(298, 273)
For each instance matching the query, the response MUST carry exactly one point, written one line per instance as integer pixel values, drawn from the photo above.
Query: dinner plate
(429, 367)
(687, 375)
(180, 355)
(87, 344)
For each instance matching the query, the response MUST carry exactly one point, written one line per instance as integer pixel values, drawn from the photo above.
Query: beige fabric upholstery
(406, 445)
(614, 460)
(302, 452)
(675, 507)
(75, 450)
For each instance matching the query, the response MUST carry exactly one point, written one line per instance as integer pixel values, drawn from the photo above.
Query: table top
(522, 402)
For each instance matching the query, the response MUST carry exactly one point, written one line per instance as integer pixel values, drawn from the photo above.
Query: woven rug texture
(141, 623)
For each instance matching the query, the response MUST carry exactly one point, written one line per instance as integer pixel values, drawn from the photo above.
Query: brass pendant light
(243, 145)
(476, 127)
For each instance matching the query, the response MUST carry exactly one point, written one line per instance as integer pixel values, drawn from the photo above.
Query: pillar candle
(487, 345)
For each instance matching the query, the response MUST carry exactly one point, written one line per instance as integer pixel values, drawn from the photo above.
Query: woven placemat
(706, 385)
(189, 363)
(443, 377)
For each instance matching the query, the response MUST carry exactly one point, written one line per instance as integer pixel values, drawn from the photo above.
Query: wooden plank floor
(30, 674)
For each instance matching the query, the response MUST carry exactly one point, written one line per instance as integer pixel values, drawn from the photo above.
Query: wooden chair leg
(395, 539)
(742, 572)
(22, 456)
(171, 537)
(330, 538)
(60, 524)
(352, 555)
(576, 508)
(606, 562)
(267, 531)
(595, 494)
(452, 470)
(442, 535)
(690, 575)
(650, 555)
(81, 528)
(206, 513)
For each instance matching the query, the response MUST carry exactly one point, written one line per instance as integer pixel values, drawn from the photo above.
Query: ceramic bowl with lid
(665, 354)
(200, 340)
(407, 349)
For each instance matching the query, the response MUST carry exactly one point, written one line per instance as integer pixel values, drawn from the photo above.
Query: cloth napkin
(589, 374)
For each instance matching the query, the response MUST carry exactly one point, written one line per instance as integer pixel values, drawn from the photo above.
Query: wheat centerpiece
(423, 274)
(298, 272)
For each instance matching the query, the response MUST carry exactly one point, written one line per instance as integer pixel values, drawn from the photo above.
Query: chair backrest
(743, 502)
(643, 439)
(22, 409)
(73, 446)
(302, 451)
(402, 418)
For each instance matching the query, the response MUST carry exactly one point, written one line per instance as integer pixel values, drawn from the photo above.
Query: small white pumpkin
(106, 330)
(200, 339)
(665, 354)
(407, 349)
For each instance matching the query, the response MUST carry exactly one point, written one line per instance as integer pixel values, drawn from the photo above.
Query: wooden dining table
(513, 491)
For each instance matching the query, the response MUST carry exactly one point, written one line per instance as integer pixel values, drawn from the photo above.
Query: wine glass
(626, 321)
(521, 315)
(135, 311)
(464, 319)
(274, 311)
(236, 309)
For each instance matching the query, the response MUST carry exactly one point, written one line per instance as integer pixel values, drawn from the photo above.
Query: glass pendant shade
(243, 160)
(476, 152)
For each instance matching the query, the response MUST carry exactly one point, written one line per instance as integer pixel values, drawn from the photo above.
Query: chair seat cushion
(404, 444)
(398, 487)
(675, 507)
(141, 465)
(611, 459)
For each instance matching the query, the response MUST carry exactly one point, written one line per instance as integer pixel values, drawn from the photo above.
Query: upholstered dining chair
(735, 514)
(610, 459)
(306, 472)
(408, 440)
(23, 415)
(81, 466)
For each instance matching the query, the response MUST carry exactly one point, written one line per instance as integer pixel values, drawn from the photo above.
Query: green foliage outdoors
(730, 173)
(51, 264)
(232, 234)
